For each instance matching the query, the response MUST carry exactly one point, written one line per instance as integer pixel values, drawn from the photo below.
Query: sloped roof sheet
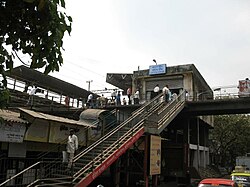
(48, 117)
(11, 116)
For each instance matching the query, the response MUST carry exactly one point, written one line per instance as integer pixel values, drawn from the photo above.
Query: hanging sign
(155, 155)
(12, 132)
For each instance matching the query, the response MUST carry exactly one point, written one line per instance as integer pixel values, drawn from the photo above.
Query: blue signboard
(157, 69)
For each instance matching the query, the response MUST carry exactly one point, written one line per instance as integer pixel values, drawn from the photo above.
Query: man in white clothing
(90, 101)
(31, 95)
(136, 97)
(72, 146)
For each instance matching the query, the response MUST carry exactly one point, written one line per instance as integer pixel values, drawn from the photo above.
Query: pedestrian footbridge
(218, 106)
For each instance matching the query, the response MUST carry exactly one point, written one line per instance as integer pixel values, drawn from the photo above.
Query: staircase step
(63, 181)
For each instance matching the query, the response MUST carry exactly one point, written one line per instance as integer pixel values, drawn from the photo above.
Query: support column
(198, 143)
(155, 180)
(145, 164)
(115, 173)
(127, 166)
(188, 142)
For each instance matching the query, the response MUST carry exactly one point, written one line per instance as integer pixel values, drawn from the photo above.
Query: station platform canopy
(122, 81)
(34, 77)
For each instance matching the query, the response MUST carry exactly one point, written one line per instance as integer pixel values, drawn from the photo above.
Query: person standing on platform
(113, 95)
(90, 101)
(103, 101)
(129, 91)
(166, 93)
(31, 96)
(118, 98)
(66, 100)
(136, 97)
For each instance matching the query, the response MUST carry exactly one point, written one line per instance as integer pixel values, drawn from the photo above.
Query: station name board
(157, 69)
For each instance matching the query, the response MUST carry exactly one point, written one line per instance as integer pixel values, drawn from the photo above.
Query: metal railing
(19, 85)
(170, 110)
(164, 113)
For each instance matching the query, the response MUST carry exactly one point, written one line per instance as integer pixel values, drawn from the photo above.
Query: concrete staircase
(151, 117)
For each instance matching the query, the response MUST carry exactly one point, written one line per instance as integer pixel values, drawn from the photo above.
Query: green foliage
(4, 97)
(230, 138)
(34, 28)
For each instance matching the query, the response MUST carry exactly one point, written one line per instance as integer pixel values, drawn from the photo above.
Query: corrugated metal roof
(48, 117)
(11, 116)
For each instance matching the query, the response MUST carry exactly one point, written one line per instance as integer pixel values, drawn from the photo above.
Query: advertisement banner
(244, 88)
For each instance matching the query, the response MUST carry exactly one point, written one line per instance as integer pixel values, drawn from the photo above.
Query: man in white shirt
(72, 146)
(136, 97)
(31, 95)
(90, 101)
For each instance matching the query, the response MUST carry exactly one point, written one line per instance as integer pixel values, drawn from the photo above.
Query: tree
(34, 28)
(230, 138)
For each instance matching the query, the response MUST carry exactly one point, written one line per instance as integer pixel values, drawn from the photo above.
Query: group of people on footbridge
(117, 98)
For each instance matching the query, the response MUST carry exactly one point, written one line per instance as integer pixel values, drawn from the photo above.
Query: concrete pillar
(145, 162)
(198, 143)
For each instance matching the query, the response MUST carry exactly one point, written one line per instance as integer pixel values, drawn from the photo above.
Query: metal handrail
(171, 108)
(124, 123)
(21, 86)
(141, 113)
(20, 173)
(155, 99)
(112, 147)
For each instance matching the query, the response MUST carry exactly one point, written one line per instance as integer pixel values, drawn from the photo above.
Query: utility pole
(89, 84)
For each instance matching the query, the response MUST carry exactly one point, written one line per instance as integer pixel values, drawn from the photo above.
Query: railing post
(14, 86)
(47, 94)
(92, 161)
(40, 176)
(102, 153)
(118, 135)
(60, 98)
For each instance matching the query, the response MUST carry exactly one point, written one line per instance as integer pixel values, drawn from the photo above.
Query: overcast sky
(117, 36)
